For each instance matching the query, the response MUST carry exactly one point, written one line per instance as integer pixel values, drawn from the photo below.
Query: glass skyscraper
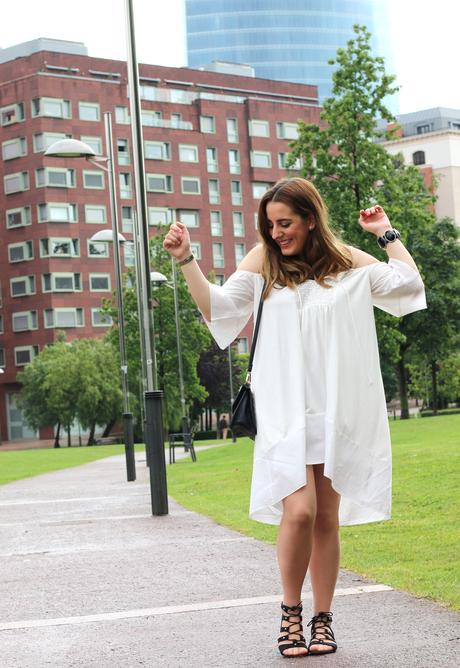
(287, 40)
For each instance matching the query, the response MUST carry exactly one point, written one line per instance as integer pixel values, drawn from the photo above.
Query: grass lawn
(417, 550)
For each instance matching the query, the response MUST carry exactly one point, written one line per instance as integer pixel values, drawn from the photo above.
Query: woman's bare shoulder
(253, 260)
(360, 258)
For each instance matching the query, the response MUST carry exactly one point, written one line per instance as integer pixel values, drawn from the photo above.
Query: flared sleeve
(231, 306)
(396, 287)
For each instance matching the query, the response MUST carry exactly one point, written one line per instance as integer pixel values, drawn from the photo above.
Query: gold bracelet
(186, 260)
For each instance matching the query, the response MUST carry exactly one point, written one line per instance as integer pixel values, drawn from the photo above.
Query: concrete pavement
(89, 578)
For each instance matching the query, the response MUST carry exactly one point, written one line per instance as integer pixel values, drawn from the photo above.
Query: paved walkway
(89, 578)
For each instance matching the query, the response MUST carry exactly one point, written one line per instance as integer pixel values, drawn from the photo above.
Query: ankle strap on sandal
(288, 608)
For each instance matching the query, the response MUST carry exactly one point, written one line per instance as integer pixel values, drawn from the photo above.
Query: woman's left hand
(374, 220)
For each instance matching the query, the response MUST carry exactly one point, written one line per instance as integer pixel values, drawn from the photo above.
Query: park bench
(181, 439)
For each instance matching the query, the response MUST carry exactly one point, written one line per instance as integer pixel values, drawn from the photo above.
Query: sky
(424, 38)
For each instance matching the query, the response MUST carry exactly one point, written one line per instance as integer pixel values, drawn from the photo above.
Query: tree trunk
(91, 434)
(56, 438)
(402, 378)
(108, 428)
(434, 386)
(69, 438)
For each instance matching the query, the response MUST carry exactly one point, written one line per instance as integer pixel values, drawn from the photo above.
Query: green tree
(214, 374)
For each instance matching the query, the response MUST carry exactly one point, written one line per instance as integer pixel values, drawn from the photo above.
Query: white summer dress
(317, 383)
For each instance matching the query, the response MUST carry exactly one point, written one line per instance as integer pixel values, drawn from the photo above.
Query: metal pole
(127, 416)
(185, 423)
(232, 398)
(154, 426)
(141, 309)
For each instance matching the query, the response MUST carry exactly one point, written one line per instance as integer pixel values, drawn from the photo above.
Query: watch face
(382, 242)
(390, 235)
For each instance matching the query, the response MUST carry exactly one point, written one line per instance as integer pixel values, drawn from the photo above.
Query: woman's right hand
(177, 241)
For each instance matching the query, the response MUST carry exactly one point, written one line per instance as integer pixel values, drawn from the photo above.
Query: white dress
(317, 383)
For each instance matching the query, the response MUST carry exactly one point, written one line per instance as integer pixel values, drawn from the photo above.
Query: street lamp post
(232, 397)
(71, 148)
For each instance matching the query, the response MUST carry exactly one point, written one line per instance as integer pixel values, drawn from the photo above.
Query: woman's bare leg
(295, 542)
(325, 554)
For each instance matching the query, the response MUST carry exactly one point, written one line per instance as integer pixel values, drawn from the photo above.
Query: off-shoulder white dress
(317, 383)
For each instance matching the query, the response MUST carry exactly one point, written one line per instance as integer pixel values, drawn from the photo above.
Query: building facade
(213, 144)
(288, 41)
(430, 139)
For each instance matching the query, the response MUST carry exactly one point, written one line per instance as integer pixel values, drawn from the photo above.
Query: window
(125, 185)
(93, 180)
(258, 188)
(219, 279)
(234, 161)
(63, 317)
(24, 354)
(99, 282)
(232, 130)
(127, 218)
(195, 247)
(261, 159)
(190, 185)
(98, 249)
(176, 120)
(55, 177)
(218, 254)
(18, 217)
(122, 115)
(418, 158)
(214, 194)
(24, 321)
(157, 150)
(188, 153)
(240, 252)
(100, 319)
(207, 124)
(123, 151)
(237, 197)
(243, 347)
(43, 140)
(21, 251)
(259, 128)
(88, 111)
(211, 159)
(61, 282)
(93, 142)
(15, 183)
(95, 213)
(282, 162)
(151, 119)
(159, 216)
(147, 92)
(159, 183)
(57, 213)
(238, 224)
(13, 113)
(51, 106)
(128, 254)
(22, 286)
(216, 224)
(59, 247)
(15, 148)
(423, 129)
(287, 131)
(189, 218)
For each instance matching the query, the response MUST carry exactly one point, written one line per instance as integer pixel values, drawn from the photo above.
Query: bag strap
(255, 335)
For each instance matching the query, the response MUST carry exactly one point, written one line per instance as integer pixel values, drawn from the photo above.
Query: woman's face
(287, 228)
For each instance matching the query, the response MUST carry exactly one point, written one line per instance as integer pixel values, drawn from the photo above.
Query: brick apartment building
(213, 143)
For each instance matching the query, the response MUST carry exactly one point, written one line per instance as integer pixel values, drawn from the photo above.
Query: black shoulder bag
(243, 421)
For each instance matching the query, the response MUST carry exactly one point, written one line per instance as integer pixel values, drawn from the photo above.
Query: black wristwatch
(388, 237)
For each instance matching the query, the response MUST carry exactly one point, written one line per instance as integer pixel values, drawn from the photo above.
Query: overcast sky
(424, 37)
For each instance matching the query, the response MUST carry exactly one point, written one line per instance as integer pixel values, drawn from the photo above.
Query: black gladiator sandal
(293, 616)
(321, 633)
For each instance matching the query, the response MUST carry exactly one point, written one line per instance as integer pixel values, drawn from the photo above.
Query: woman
(322, 455)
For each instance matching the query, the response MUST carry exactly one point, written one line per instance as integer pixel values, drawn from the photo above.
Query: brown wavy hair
(323, 253)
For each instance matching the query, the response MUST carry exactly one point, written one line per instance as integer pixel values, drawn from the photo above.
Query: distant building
(213, 144)
(287, 41)
(430, 139)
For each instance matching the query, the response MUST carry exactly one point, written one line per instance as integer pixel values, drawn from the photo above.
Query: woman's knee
(326, 521)
(299, 515)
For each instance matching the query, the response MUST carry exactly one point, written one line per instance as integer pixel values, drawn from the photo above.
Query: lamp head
(69, 148)
(158, 278)
(107, 236)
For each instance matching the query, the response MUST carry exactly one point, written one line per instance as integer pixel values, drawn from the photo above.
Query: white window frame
(47, 171)
(215, 220)
(123, 157)
(263, 155)
(93, 106)
(124, 182)
(93, 172)
(238, 227)
(243, 345)
(287, 130)
(21, 145)
(168, 183)
(31, 316)
(128, 255)
(164, 146)
(66, 111)
(232, 134)
(72, 211)
(204, 121)
(29, 286)
(234, 166)
(122, 115)
(93, 142)
(103, 245)
(186, 215)
(214, 194)
(218, 259)
(23, 182)
(195, 247)
(33, 350)
(127, 221)
(57, 311)
(56, 275)
(236, 196)
(12, 113)
(259, 184)
(194, 179)
(99, 276)
(240, 252)
(212, 164)
(258, 128)
(192, 148)
(28, 249)
(151, 118)
(25, 214)
(92, 208)
(161, 211)
(47, 138)
(74, 244)
(95, 312)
